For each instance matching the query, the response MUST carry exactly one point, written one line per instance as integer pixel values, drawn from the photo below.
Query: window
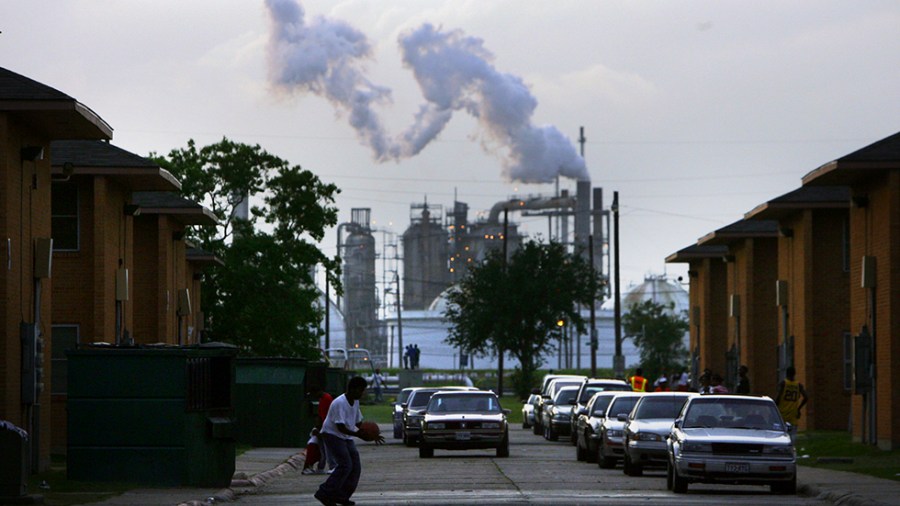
(65, 337)
(64, 216)
(848, 361)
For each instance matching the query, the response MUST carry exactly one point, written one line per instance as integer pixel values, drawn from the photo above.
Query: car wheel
(503, 449)
(668, 476)
(589, 452)
(580, 454)
(784, 487)
(573, 437)
(408, 441)
(425, 452)
(537, 429)
(525, 425)
(551, 434)
(398, 432)
(604, 461)
(630, 468)
(679, 484)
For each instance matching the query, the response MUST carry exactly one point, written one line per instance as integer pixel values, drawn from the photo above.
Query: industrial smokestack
(582, 216)
(454, 72)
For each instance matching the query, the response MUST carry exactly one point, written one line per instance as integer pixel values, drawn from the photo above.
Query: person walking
(378, 384)
(638, 382)
(791, 399)
(743, 386)
(338, 431)
(716, 386)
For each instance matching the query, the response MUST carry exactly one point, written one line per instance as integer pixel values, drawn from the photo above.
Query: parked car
(587, 425)
(528, 410)
(415, 403)
(611, 448)
(731, 439)
(458, 420)
(588, 388)
(646, 428)
(552, 383)
(398, 411)
(557, 412)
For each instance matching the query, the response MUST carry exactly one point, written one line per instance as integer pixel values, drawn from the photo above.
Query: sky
(694, 111)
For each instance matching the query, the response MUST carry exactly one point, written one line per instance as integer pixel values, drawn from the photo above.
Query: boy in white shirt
(338, 430)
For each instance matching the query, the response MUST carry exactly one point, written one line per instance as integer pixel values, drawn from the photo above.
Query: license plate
(732, 467)
(463, 436)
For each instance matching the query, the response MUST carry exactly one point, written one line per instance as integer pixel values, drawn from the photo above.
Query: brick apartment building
(873, 297)
(32, 115)
(812, 279)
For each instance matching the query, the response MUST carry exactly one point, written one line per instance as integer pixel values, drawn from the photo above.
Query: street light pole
(618, 360)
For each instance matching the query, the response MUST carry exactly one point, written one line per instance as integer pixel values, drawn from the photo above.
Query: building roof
(806, 197)
(740, 230)
(200, 256)
(99, 158)
(55, 114)
(168, 203)
(858, 165)
(697, 252)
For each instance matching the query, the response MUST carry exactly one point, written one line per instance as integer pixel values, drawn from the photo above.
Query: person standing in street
(791, 399)
(322, 402)
(743, 386)
(638, 382)
(338, 431)
(378, 384)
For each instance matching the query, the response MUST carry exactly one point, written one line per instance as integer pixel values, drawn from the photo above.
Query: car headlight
(647, 436)
(436, 426)
(697, 447)
(490, 425)
(779, 449)
(614, 433)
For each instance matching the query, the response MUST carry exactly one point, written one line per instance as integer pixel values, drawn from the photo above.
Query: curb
(839, 497)
(241, 484)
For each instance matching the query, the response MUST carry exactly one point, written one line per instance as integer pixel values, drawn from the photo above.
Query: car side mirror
(549, 402)
(507, 412)
(788, 426)
(678, 423)
(582, 411)
(622, 417)
(404, 405)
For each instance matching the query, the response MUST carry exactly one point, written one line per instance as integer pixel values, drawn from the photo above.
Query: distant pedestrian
(704, 380)
(638, 382)
(662, 385)
(683, 384)
(378, 384)
(716, 386)
(743, 385)
(339, 429)
(791, 398)
(415, 355)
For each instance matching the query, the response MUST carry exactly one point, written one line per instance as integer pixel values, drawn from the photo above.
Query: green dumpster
(157, 415)
(271, 404)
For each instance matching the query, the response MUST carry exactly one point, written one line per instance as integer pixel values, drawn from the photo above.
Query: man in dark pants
(338, 430)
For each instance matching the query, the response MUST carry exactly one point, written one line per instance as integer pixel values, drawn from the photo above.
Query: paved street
(537, 472)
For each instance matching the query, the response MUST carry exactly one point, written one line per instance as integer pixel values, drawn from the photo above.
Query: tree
(264, 299)
(513, 306)
(659, 334)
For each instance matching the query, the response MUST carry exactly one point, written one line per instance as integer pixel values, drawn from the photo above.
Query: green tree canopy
(659, 334)
(264, 299)
(514, 306)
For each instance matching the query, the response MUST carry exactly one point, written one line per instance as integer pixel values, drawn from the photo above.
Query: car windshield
(419, 398)
(451, 403)
(665, 406)
(600, 405)
(621, 405)
(733, 413)
(565, 396)
(589, 391)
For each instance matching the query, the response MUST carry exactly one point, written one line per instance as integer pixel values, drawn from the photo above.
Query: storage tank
(425, 254)
(360, 297)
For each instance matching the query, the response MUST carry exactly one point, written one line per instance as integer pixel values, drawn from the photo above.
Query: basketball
(369, 430)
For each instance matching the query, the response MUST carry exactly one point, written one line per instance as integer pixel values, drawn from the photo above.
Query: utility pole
(399, 320)
(618, 360)
(500, 349)
(327, 310)
(593, 310)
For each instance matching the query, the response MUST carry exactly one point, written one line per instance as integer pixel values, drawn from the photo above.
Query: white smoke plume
(454, 72)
